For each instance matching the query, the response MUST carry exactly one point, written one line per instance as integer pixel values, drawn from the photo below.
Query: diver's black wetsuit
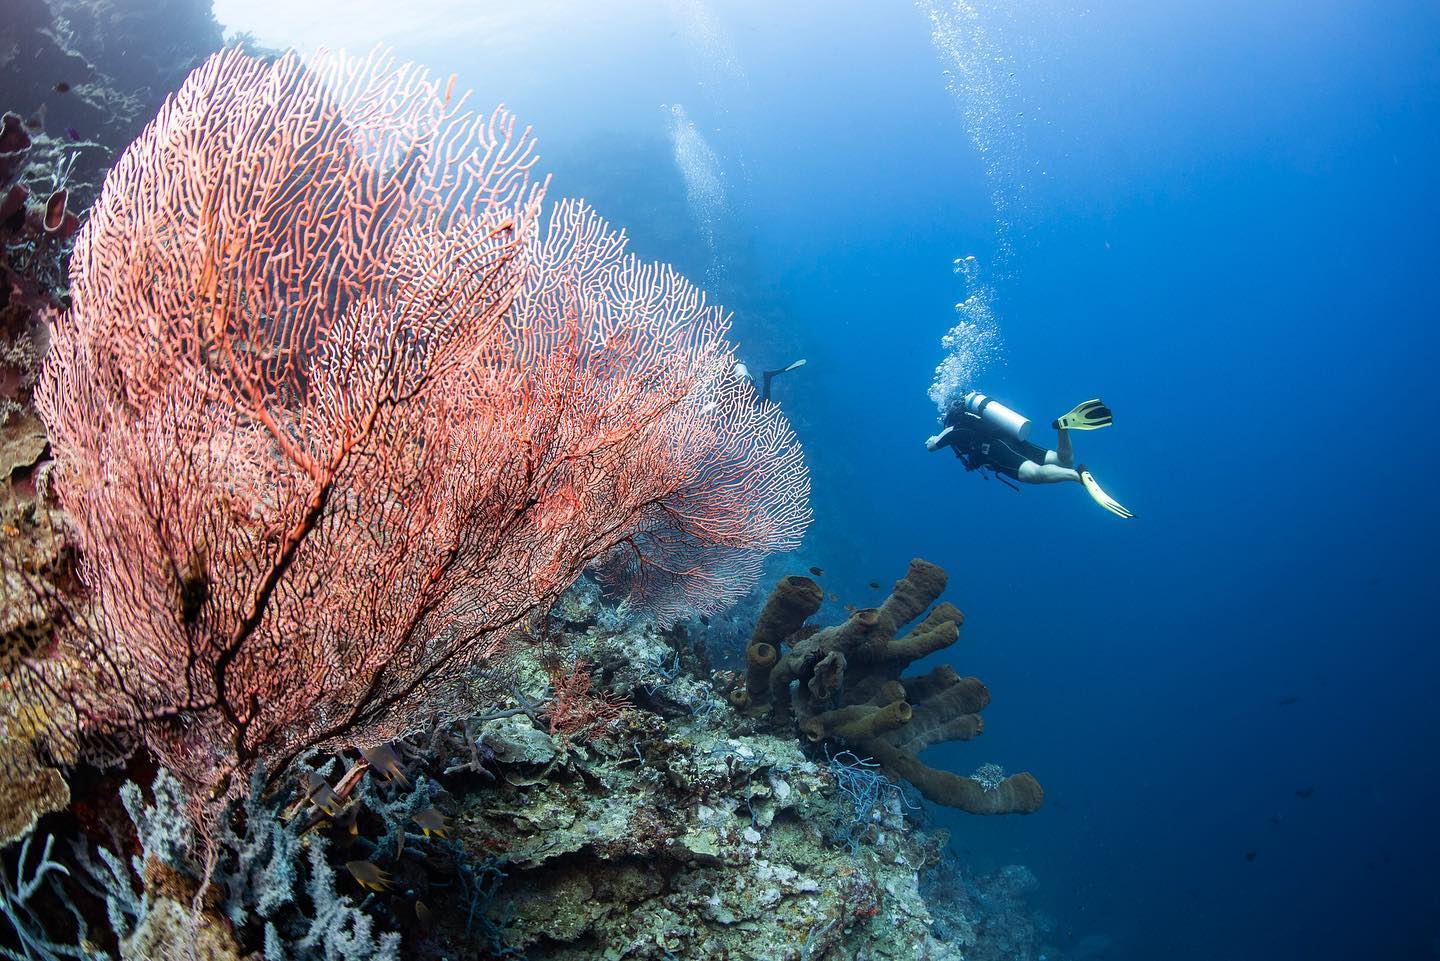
(979, 446)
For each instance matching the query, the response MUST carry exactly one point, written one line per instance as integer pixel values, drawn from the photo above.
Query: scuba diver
(743, 372)
(984, 433)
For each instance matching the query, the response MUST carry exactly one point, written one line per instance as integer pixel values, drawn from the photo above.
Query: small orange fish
(369, 876)
(431, 821)
(817, 571)
(423, 915)
(319, 793)
(382, 758)
(348, 818)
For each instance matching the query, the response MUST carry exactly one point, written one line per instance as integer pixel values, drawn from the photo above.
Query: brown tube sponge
(863, 631)
(790, 604)
(792, 601)
(759, 659)
(917, 590)
(1017, 794)
(935, 633)
(936, 729)
(878, 721)
(823, 725)
(951, 714)
(880, 713)
(55, 209)
(858, 722)
(890, 692)
(828, 677)
(925, 686)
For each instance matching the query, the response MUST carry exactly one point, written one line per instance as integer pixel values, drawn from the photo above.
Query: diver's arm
(946, 438)
(959, 433)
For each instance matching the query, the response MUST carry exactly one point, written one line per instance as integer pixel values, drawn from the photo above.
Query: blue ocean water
(1221, 217)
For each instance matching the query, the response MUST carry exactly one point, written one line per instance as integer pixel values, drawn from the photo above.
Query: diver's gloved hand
(933, 444)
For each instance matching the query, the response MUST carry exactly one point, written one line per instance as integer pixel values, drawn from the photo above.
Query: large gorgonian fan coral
(334, 414)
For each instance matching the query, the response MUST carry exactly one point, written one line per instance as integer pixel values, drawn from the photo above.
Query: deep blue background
(1227, 224)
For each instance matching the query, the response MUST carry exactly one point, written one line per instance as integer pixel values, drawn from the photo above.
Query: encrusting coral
(30, 790)
(847, 686)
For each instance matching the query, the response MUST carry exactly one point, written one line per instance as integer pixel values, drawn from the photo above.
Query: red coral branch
(575, 708)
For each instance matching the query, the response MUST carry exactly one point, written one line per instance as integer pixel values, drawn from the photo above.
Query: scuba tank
(996, 415)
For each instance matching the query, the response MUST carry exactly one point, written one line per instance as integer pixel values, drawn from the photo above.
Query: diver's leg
(1065, 456)
(770, 375)
(1033, 473)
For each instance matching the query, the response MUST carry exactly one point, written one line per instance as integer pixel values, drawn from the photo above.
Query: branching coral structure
(844, 683)
(336, 409)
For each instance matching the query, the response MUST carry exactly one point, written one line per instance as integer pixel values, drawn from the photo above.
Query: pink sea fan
(334, 412)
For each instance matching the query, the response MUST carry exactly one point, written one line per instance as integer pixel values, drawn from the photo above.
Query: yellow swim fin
(1099, 496)
(1090, 415)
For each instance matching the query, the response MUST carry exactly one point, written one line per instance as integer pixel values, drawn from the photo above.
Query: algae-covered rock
(22, 441)
(28, 790)
(692, 836)
(516, 740)
(172, 932)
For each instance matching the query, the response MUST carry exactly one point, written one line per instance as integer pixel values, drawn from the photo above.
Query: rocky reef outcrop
(844, 683)
(645, 819)
(688, 830)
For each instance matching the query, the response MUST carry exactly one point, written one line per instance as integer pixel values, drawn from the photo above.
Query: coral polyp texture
(844, 683)
(337, 408)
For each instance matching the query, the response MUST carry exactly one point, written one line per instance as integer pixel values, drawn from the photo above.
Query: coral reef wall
(79, 79)
(93, 72)
(666, 825)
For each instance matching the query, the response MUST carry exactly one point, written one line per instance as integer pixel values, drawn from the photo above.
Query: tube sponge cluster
(844, 683)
